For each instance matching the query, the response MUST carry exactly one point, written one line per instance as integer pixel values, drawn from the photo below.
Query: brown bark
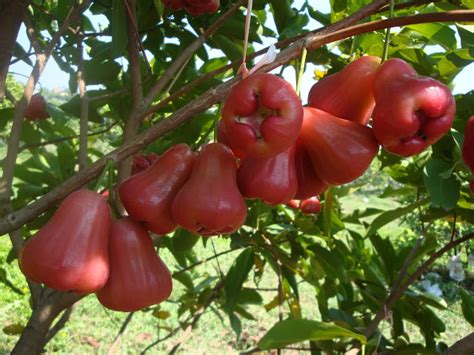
(11, 15)
(33, 337)
(464, 346)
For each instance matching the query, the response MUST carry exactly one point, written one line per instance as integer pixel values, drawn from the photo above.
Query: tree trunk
(33, 338)
(11, 15)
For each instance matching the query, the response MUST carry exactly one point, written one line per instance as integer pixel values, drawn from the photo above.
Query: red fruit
(412, 112)
(468, 145)
(69, 253)
(340, 150)
(138, 277)
(36, 109)
(222, 138)
(197, 8)
(294, 204)
(151, 158)
(273, 180)
(310, 205)
(210, 203)
(147, 196)
(139, 163)
(309, 184)
(262, 115)
(211, 6)
(173, 4)
(348, 94)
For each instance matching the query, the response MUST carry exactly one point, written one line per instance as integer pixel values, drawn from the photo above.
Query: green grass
(92, 328)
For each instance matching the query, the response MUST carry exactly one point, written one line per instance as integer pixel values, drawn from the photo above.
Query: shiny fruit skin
(70, 252)
(147, 196)
(310, 205)
(262, 115)
(412, 112)
(340, 150)
(348, 94)
(309, 183)
(210, 203)
(273, 180)
(138, 277)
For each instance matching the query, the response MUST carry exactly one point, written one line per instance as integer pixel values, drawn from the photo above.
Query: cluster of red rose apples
(269, 147)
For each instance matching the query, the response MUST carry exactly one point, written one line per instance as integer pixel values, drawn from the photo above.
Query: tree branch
(197, 316)
(11, 16)
(212, 96)
(112, 348)
(84, 119)
(132, 124)
(464, 346)
(32, 339)
(188, 53)
(59, 324)
(62, 139)
(398, 292)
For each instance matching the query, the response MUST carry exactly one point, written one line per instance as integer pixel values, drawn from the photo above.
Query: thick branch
(464, 346)
(132, 124)
(84, 119)
(32, 339)
(11, 14)
(59, 324)
(398, 292)
(212, 96)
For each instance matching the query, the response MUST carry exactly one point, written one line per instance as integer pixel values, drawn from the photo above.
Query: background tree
(153, 77)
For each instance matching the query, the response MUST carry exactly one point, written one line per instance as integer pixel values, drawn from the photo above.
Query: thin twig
(68, 138)
(131, 15)
(396, 294)
(59, 324)
(192, 266)
(187, 53)
(126, 322)
(197, 316)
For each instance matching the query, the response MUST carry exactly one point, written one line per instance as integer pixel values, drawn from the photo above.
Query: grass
(92, 328)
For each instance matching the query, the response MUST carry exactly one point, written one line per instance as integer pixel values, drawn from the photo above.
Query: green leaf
(236, 324)
(183, 240)
(236, 277)
(293, 331)
(186, 279)
(100, 73)
(444, 190)
(329, 262)
(467, 305)
(249, 296)
(389, 216)
(436, 32)
(387, 253)
(119, 29)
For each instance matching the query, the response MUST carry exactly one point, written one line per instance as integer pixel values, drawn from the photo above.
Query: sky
(53, 77)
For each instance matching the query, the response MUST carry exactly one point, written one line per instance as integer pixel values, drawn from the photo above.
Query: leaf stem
(387, 33)
(304, 52)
